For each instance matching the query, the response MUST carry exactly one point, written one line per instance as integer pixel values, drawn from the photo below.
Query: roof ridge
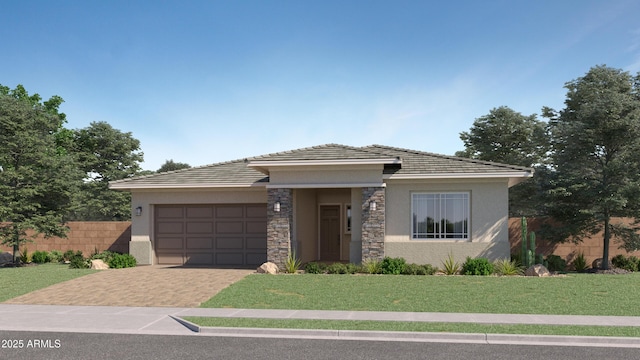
(315, 147)
(455, 158)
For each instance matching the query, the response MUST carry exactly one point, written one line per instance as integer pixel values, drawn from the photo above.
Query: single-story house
(327, 203)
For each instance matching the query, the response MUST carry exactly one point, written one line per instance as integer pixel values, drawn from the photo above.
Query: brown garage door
(222, 235)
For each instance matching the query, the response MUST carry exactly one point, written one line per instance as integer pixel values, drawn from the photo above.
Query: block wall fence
(86, 237)
(115, 236)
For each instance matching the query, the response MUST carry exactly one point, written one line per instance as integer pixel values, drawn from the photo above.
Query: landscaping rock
(5, 258)
(98, 264)
(268, 268)
(537, 270)
(597, 263)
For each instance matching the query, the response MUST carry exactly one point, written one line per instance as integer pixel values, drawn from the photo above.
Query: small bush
(450, 266)
(77, 260)
(313, 268)
(40, 257)
(119, 261)
(337, 268)
(580, 263)
(25, 257)
(68, 255)
(478, 266)
(623, 262)
(393, 266)
(352, 268)
(505, 267)
(55, 256)
(372, 266)
(556, 263)
(415, 269)
(105, 256)
(292, 264)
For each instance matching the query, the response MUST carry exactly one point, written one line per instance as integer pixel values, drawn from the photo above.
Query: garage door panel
(256, 259)
(170, 228)
(229, 211)
(256, 211)
(170, 212)
(199, 259)
(256, 243)
(224, 258)
(256, 227)
(194, 227)
(200, 212)
(229, 227)
(223, 243)
(212, 234)
(165, 243)
(199, 243)
(170, 259)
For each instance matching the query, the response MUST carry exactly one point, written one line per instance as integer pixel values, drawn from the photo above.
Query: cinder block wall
(86, 237)
(591, 247)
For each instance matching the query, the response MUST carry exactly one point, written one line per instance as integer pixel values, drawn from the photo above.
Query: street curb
(468, 338)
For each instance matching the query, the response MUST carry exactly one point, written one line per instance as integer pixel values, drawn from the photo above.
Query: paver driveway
(139, 286)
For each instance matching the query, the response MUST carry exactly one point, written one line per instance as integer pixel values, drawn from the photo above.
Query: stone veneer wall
(373, 228)
(279, 225)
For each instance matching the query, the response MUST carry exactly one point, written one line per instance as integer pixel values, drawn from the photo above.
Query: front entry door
(330, 232)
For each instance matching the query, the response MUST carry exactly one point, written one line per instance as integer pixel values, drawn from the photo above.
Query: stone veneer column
(279, 225)
(373, 223)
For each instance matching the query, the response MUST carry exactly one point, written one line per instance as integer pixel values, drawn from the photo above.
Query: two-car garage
(210, 234)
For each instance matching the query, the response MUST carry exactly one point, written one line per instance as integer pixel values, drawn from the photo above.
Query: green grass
(22, 280)
(626, 331)
(574, 294)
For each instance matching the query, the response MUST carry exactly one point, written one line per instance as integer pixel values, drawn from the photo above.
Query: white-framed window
(443, 215)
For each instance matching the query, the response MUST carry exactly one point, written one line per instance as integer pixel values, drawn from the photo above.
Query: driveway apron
(158, 286)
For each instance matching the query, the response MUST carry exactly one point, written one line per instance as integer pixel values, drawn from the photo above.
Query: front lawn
(574, 294)
(22, 280)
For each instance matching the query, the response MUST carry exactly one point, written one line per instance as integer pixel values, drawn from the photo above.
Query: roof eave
(125, 186)
(515, 177)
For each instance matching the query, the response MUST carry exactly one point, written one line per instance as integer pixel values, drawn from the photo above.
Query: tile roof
(238, 173)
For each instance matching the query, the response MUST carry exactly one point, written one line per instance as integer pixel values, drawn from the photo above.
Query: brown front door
(330, 232)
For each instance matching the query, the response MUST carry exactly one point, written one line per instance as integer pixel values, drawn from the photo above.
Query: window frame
(441, 235)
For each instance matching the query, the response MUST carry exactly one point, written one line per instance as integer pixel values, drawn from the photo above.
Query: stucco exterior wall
(488, 222)
(326, 175)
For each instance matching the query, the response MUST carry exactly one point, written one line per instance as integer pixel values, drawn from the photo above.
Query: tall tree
(508, 137)
(170, 165)
(35, 172)
(596, 153)
(104, 154)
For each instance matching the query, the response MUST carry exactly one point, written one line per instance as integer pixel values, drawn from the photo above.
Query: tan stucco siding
(306, 224)
(325, 175)
(488, 222)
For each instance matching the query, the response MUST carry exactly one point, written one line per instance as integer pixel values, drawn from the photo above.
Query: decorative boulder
(537, 270)
(268, 268)
(98, 264)
(5, 258)
(597, 263)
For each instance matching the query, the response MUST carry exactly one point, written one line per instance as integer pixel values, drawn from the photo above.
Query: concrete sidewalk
(167, 321)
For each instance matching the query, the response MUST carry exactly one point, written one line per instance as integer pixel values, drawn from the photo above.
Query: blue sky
(208, 81)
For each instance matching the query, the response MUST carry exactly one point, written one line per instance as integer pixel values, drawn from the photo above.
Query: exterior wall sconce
(276, 206)
(372, 206)
(139, 211)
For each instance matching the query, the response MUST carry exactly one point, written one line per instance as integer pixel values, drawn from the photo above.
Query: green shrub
(25, 257)
(623, 262)
(77, 261)
(292, 264)
(119, 261)
(478, 266)
(415, 269)
(68, 255)
(313, 268)
(505, 267)
(556, 263)
(40, 257)
(337, 268)
(580, 263)
(55, 256)
(393, 266)
(450, 266)
(372, 266)
(517, 258)
(105, 256)
(352, 268)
